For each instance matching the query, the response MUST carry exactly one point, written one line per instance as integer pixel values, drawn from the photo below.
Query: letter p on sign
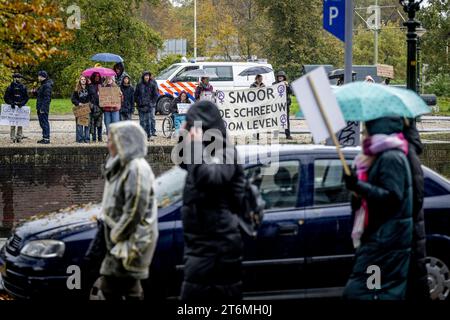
(334, 13)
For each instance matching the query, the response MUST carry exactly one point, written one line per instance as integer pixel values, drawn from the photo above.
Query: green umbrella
(363, 101)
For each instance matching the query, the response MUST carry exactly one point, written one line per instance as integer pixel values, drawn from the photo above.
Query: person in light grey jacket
(129, 214)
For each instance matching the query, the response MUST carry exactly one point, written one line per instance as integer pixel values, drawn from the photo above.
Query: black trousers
(201, 293)
(45, 125)
(115, 288)
(287, 131)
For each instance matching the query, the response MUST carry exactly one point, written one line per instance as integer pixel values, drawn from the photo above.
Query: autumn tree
(296, 37)
(30, 32)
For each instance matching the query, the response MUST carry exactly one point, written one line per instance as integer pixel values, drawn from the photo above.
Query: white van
(170, 82)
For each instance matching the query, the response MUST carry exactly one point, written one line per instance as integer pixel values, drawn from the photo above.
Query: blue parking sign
(334, 18)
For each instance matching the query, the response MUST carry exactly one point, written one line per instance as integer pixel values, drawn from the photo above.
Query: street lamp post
(195, 30)
(420, 32)
(411, 7)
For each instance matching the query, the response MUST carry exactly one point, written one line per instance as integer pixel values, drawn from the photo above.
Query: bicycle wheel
(167, 127)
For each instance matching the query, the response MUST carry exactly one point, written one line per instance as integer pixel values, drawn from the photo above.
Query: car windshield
(166, 73)
(169, 187)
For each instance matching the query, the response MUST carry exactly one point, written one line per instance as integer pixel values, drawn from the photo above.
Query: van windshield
(166, 73)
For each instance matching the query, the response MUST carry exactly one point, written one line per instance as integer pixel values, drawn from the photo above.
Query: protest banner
(255, 110)
(14, 116)
(183, 108)
(320, 107)
(109, 97)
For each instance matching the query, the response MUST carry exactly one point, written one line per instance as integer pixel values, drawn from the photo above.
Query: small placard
(10, 116)
(82, 110)
(386, 71)
(183, 108)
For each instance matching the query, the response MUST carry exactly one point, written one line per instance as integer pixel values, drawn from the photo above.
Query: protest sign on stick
(10, 116)
(320, 108)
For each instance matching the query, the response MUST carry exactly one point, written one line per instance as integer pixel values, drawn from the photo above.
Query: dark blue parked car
(303, 248)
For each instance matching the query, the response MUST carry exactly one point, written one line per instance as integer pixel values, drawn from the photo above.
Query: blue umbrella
(106, 57)
(363, 101)
(253, 71)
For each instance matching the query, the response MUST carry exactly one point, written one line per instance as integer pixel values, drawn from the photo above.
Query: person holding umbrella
(382, 205)
(16, 96)
(258, 82)
(96, 116)
(382, 188)
(204, 90)
(119, 69)
(282, 77)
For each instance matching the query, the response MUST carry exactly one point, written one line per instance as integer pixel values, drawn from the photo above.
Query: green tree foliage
(106, 26)
(296, 36)
(391, 48)
(435, 17)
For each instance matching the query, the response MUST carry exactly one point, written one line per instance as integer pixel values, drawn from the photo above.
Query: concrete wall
(37, 180)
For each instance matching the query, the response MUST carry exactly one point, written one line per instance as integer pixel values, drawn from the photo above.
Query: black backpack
(252, 211)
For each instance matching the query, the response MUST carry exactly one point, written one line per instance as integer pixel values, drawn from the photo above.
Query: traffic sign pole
(348, 41)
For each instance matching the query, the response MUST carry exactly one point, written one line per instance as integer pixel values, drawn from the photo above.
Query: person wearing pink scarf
(382, 208)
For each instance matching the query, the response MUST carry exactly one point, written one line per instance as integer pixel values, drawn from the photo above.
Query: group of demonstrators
(143, 97)
(94, 114)
(16, 95)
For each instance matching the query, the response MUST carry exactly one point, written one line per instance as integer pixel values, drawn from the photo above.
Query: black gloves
(351, 181)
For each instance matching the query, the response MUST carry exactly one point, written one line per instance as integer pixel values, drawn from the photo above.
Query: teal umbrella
(363, 101)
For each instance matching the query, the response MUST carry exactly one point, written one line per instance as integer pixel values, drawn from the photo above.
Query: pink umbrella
(104, 72)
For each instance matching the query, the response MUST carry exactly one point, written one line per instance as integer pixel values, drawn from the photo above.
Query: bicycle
(168, 127)
(171, 124)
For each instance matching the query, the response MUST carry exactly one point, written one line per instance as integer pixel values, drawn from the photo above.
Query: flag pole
(328, 125)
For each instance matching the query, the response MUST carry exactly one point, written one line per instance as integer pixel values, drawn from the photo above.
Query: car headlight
(44, 249)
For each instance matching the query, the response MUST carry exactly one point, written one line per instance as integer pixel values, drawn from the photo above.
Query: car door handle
(287, 229)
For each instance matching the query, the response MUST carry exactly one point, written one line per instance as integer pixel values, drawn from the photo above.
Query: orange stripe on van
(167, 89)
(171, 84)
(192, 85)
(188, 90)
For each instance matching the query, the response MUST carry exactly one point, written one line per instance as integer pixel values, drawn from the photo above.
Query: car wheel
(438, 278)
(163, 106)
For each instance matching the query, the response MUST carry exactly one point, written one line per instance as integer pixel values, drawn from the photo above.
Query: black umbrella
(338, 73)
(253, 71)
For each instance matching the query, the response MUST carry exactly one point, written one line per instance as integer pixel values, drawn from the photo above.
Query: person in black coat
(282, 77)
(44, 97)
(16, 95)
(212, 196)
(146, 96)
(418, 288)
(127, 109)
